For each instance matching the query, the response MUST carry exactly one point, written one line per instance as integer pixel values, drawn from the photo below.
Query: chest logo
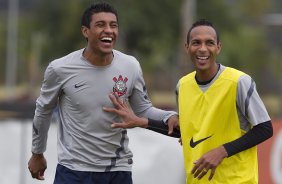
(78, 85)
(194, 144)
(120, 85)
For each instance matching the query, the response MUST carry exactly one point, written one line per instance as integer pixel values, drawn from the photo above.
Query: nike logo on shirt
(78, 86)
(194, 144)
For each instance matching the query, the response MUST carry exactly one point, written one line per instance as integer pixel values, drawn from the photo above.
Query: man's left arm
(255, 136)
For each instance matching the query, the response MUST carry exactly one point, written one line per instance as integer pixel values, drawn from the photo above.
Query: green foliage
(220, 13)
(59, 21)
(151, 31)
(244, 49)
(252, 9)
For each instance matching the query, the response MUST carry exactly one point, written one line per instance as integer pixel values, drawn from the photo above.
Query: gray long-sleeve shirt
(80, 90)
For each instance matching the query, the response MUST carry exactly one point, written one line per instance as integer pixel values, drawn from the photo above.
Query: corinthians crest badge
(120, 85)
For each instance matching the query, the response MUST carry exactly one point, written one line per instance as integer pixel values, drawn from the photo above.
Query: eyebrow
(208, 40)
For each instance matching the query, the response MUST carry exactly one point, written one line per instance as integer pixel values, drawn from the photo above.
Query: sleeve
(158, 126)
(141, 104)
(45, 104)
(162, 128)
(249, 101)
(176, 95)
(255, 136)
(254, 111)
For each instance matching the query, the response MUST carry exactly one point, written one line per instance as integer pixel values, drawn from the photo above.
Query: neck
(207, 75)
(102, 59)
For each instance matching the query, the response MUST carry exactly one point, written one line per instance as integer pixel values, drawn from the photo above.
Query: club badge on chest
(120, 85)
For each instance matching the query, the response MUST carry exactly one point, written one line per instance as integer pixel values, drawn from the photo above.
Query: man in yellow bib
(221, 116)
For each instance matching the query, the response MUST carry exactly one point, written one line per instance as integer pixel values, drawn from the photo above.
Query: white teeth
(202, 57)
(107, 39)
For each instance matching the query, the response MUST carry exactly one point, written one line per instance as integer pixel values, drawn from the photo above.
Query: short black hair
(202, 22)
(96, 8)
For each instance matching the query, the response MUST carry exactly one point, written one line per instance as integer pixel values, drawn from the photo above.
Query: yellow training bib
(208, 120)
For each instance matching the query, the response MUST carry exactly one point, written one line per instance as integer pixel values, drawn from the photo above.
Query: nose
(108, 29)
(203, 47)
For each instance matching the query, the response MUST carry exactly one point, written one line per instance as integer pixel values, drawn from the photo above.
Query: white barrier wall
(157, 158)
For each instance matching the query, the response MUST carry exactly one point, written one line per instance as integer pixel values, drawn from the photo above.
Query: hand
(129, 119)
(173, 123)
(37, 165)
(180, 141)
(209, 161)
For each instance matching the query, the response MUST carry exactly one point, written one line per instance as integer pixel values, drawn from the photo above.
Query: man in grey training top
(89, 149)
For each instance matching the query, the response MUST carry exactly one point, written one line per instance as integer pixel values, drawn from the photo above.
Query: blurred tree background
(153, 32)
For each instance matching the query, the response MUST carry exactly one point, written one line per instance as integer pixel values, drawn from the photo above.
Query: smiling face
(102, 33)
(203, 49)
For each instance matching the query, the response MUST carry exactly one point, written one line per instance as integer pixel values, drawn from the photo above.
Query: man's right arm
(37, 166)
(45, 104)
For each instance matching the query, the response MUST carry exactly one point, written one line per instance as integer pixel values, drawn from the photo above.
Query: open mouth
(107, 39)
(202, 60)
(202, 57)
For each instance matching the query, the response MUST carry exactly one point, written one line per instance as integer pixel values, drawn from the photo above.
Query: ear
(84, 31)
(187, 48)
(218, 47)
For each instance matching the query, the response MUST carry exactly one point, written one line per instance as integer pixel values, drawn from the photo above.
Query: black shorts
(68, 176)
